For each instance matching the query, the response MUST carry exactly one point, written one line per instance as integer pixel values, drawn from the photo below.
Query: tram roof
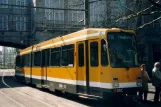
(73, 35)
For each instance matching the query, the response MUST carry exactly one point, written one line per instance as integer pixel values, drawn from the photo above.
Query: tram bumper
(121, 92)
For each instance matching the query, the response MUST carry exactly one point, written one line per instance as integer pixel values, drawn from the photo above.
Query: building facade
(56, 19)
(15, 21)
(7, 56)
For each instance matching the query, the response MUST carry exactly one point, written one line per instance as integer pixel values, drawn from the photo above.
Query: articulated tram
(90, 63)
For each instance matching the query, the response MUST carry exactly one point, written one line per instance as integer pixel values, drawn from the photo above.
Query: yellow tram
(91, 63)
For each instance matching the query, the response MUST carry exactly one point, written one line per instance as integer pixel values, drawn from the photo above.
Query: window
(3, 22)
(61, 16)
(18, 61)
(49, 14)
(21, 3)
(4, 2)
(27, 60)
(22, 61)
(70, 16)
(74, 17)
(67, 55)
(55, 57)
(81, 54)
(94, 53)
(20, 23)
(45, 57)
(23, 23)
(37, 58)
(47, 3)
(62, 4)
(104, 58)
(56, 16)
(55, 3)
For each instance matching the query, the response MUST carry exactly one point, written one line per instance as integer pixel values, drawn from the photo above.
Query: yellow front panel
(133, 73)
(122, 74)
(105, 75)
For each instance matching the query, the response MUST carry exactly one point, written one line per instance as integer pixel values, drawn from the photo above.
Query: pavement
(151, 88)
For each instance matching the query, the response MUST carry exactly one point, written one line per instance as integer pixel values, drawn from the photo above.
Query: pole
(4, 57)
(86, 22)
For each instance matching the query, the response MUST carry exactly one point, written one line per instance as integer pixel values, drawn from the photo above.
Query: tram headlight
(115, 82)
(139, 81)
(139, 84)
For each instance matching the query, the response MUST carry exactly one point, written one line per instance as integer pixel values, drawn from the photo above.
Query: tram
(91, 63)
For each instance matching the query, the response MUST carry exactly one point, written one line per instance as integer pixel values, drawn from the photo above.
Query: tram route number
(61, 86)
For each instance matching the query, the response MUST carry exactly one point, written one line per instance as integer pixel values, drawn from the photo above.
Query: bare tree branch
(95, 1)
(155, 3)
(149, 22)
(136, 14)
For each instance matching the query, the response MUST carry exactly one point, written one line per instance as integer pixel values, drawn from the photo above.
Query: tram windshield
(122, 49)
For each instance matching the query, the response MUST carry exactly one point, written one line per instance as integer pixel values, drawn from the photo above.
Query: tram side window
(81, 54)
(94, 54)
(67, 55)
(18, 61)
(55, 57)
(27, 60)
(22, 61)
(37, 58)
(104, 58)
(45, 57)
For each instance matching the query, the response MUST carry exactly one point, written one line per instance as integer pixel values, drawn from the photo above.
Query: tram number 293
(118, 90)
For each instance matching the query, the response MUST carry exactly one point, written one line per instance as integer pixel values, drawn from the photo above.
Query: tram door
(81, 68)
(94, 69)
(87, 69)
(44, 64)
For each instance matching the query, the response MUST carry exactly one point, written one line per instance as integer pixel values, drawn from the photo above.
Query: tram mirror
(104, 47)
(136, 58)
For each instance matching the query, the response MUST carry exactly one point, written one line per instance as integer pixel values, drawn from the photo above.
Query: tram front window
(122, 49)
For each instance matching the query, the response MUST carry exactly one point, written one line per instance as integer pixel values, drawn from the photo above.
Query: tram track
(21, 93)
(59, 99)
(84, 103)
(12, 99)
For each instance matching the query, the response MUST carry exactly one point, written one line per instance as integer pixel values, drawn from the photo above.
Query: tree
(155, 3)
